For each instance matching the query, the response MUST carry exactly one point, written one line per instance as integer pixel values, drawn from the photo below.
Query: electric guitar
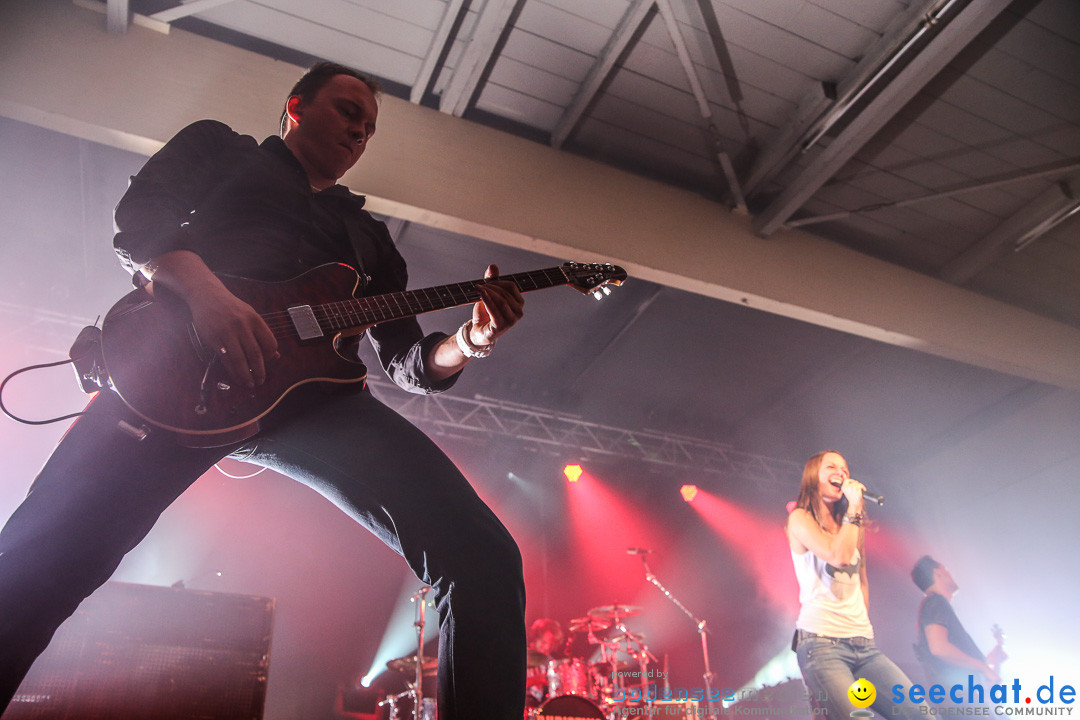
(154, 360)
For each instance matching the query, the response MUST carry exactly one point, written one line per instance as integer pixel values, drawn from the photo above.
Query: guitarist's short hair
(923, 572)
(316, 78)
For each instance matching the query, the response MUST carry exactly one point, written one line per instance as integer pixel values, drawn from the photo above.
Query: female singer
(834, 639)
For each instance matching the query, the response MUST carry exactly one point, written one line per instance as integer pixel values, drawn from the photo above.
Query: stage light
(688, 492)
(572, 472)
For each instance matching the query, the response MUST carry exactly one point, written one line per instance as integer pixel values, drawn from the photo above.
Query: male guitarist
(213, 201)
(946, 651)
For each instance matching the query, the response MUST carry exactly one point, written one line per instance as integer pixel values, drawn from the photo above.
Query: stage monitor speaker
(138, 652)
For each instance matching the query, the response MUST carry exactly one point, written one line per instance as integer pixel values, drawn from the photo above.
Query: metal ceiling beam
(712, 133)
(492, 23)
(1057, 168)
(117, 16)
(186, 10)
(814, 106)
(1037, 218)
(440, 45)
(635, 17)
(889, 100)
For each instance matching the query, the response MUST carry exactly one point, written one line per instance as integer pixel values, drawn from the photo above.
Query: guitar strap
(359, 236)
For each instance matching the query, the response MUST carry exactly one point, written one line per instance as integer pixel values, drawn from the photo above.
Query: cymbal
(615, 611)
(407, 665)
(536, 659)
(589, 624)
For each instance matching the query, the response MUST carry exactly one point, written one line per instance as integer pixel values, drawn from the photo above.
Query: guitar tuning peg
(598, 295)
(606, 289)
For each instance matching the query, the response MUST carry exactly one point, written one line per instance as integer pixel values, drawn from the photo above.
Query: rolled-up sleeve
(401, 344)
(151, 218)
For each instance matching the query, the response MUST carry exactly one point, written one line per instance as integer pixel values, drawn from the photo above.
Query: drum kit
(606, 667)
(596, 686)
(604, 675)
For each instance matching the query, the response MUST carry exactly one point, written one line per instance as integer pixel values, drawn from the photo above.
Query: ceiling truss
(952, 33)
(482, 419)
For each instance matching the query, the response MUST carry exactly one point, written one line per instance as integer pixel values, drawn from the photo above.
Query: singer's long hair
(810, 490)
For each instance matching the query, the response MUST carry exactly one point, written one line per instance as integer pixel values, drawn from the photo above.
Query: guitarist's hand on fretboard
(501, 306)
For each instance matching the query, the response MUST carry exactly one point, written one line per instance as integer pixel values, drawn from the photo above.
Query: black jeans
(101, 491)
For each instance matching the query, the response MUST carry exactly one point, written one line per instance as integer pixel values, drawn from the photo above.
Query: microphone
(878, 500)
(639, 551)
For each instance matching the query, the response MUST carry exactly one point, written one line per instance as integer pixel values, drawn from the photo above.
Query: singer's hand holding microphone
(855, 491)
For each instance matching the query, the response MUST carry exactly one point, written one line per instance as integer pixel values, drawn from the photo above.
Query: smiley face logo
(862, 693)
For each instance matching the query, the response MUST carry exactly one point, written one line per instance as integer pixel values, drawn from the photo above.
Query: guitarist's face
(944, 578)
(330, 133)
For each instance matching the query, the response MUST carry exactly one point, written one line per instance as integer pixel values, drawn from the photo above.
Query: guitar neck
(363, 312)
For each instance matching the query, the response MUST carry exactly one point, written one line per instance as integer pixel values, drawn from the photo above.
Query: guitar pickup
(303, 319)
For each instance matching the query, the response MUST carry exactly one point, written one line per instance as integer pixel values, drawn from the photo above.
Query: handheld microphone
(878, 500)
(639, 551)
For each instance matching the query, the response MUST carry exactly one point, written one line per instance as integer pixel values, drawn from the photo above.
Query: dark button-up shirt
(249, 210)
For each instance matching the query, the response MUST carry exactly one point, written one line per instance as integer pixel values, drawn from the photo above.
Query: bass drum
(570, 707)
(569, 676)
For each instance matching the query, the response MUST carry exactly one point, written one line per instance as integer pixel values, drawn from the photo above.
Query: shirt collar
(277, 147)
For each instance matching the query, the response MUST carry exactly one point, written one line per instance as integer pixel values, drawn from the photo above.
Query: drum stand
(609, 656)
(416, 688)
(702, 630)
(418, 685)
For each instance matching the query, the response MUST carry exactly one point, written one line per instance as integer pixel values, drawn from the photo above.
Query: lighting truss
(558, 434)
(478, 419)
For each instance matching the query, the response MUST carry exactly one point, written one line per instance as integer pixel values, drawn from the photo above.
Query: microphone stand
(702, 630)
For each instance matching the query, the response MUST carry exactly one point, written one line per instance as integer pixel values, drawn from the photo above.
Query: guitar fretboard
(362, 312)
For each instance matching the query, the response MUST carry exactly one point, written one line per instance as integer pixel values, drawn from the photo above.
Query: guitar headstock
(593, 278)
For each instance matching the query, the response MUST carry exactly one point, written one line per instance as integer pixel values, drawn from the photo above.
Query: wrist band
(466, 346)
(855, 520)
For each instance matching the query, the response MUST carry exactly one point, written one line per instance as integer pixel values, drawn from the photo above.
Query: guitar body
(158, 367)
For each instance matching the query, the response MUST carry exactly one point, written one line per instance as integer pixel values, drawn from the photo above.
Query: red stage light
(688, 492)
(572, 472)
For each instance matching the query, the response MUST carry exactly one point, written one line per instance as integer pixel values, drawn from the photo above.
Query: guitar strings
(353, 312)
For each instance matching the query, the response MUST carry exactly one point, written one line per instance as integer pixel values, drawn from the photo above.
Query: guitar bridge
(303, 319)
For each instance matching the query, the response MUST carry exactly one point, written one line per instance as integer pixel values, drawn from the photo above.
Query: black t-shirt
(936, 610)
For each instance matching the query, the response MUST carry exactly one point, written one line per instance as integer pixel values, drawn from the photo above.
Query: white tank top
(831, 598)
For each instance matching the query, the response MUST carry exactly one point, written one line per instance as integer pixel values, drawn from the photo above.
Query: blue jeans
(830, 665)
(101, 491)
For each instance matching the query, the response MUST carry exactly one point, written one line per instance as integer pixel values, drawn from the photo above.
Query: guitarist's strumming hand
(224, 323)
(240, 335)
